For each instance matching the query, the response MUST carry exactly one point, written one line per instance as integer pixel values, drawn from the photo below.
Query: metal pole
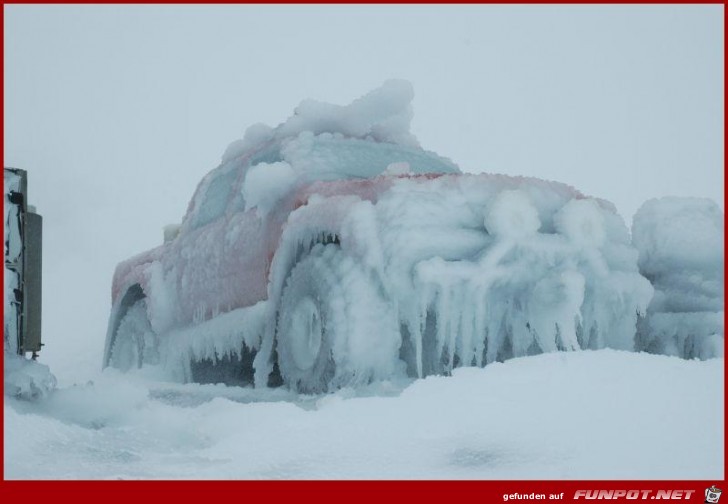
(23, 266)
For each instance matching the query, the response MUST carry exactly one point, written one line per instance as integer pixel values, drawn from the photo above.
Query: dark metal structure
(23, 266)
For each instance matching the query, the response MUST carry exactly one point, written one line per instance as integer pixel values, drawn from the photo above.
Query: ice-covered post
(23, 267)
(23, 378)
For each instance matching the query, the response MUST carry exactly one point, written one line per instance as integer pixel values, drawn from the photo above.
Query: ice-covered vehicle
(332, 251)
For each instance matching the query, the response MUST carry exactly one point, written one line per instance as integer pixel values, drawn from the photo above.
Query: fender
(131, 295)
(135, 279)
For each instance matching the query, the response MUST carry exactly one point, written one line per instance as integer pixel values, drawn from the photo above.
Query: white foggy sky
(118, 111)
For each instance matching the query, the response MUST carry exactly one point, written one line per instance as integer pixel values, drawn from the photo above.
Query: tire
(135, 343)
(334, 328)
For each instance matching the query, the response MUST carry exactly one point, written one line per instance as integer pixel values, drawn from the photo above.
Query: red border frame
(109, 492)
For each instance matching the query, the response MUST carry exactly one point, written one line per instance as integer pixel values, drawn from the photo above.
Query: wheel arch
(346, 221)
(132, 294)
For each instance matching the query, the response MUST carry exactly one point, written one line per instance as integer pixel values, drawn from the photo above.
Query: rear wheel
(335, 328)
(135, 343)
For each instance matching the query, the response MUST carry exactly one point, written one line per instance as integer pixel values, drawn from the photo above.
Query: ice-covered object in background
(23, 378)
(680, 244)
(336, 251)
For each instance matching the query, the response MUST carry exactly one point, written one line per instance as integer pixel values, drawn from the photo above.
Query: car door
(197, 262)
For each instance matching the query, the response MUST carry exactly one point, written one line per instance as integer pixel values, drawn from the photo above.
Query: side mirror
(170, 232)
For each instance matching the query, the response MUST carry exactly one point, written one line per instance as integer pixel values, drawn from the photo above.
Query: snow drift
(578, 415)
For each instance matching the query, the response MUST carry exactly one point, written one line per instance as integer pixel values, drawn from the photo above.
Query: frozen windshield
(326, 157)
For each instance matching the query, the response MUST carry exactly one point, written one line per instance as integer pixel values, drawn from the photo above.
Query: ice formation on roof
(321, 141)
(383, 115)
(26, 379)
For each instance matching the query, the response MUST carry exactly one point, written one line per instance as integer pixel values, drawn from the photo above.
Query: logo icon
(712, 495)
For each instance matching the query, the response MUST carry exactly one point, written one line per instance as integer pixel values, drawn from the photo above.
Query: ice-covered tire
(335, 328)
(135, 343)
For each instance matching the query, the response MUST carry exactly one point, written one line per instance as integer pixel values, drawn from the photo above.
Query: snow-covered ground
(584, 415)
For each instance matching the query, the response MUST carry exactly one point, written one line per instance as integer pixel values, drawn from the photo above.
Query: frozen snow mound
(26, 379)
(681, 251)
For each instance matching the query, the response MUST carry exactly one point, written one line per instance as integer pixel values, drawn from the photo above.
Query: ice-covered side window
(216, 197)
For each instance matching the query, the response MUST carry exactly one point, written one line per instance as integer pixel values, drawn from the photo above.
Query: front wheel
(135, 343)
(335, 328)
